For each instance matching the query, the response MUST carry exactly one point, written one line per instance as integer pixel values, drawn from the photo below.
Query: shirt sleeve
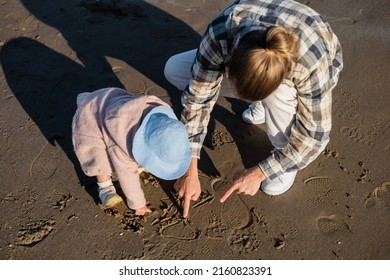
(126, 170)
(92, 155)
(199, 97)
(311, 129)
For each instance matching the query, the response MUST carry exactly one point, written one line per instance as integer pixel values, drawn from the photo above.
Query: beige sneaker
(109, 197)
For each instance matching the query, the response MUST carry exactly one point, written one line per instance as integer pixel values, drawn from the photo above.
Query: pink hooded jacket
(102, 133)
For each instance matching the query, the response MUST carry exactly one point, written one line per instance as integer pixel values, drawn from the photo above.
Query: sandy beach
(337, 209)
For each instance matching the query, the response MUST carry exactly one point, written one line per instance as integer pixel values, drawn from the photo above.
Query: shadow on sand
(46, 82)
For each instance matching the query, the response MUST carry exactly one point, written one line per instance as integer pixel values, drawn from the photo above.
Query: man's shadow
(46, 82)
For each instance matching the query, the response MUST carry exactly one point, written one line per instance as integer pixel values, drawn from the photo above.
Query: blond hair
(261, 62)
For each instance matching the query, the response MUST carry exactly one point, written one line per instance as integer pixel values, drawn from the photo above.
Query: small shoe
(253, 115)
(279, 185)
(109, 197)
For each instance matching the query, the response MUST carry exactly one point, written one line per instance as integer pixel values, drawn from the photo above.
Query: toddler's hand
(142, 211)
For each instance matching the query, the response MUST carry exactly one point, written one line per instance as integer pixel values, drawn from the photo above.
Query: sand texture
(338, 208)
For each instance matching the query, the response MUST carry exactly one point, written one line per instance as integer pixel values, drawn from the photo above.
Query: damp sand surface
(338, 207)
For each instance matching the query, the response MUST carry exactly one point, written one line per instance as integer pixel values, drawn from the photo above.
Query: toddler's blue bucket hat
(161, 144)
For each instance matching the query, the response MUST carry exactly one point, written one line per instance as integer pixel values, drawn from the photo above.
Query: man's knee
(177, 69)
(169, 70)
(284, 99)
(174, 72)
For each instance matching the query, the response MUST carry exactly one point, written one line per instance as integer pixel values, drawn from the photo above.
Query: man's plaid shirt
(314, 76)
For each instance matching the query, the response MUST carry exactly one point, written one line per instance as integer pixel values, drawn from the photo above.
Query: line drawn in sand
(43, 166)
(148, 179)
(205, 197)
(169, 224)
(172, 225)
(6, 143)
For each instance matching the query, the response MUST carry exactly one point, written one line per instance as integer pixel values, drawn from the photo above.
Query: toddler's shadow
(46, 82)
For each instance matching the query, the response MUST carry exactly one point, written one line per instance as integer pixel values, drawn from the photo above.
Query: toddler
(115, 131)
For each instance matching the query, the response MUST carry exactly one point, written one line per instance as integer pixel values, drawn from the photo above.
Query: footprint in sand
(44, 166)
(62, 201)
(333, 226)
(26, 23)
(134, 83)
(244, 240)
(172, 251)
(378, 195)
(216, 229)
(321, 186)
(242, 222)
(127, 219)
(34, 232)
(318, 182)
(358, 135)
(284, 228)
(220, 138)
(235, 214)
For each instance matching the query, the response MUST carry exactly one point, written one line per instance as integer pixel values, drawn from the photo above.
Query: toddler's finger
(186, 206)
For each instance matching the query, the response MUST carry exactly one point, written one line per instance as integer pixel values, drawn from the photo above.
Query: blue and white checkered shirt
(314, 76)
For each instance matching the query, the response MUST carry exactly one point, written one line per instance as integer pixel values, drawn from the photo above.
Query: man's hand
(246, 182)
(188, 186)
